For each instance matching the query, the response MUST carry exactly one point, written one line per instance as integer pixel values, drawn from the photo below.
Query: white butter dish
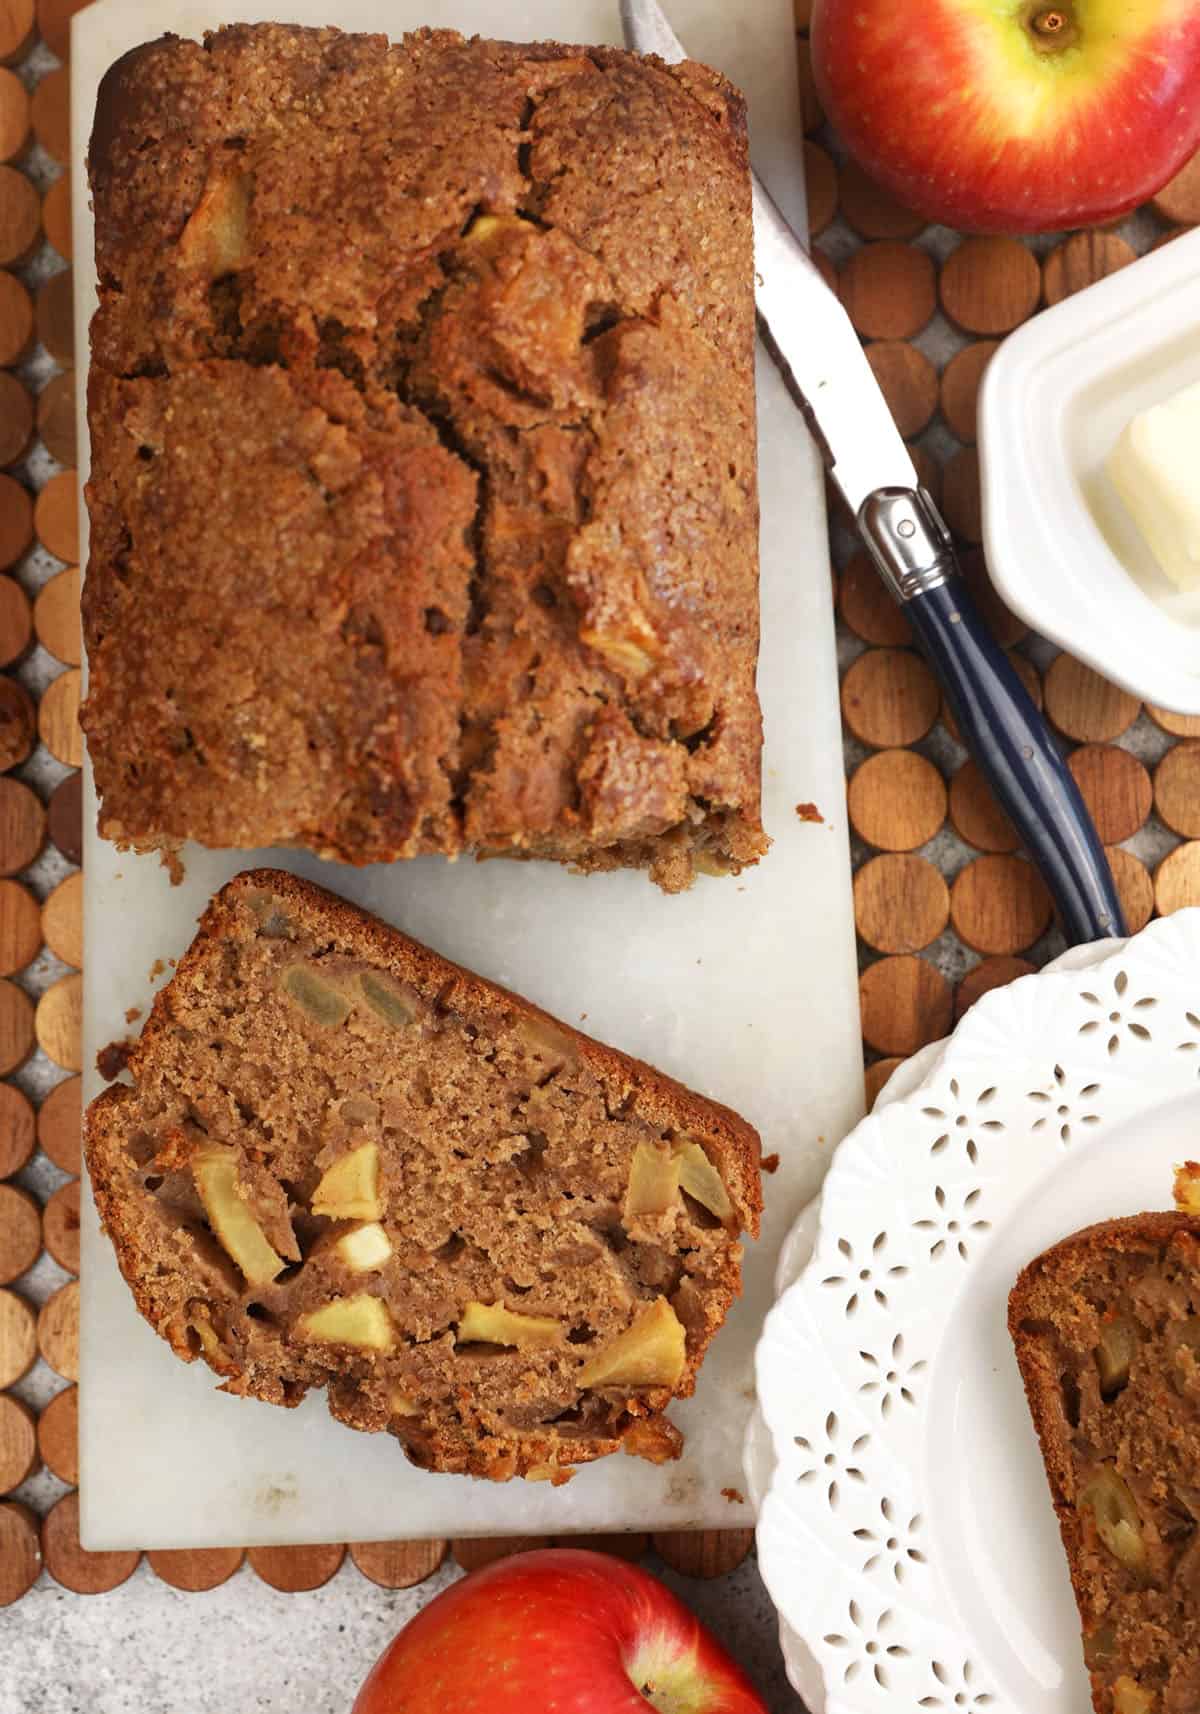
(1062, 548)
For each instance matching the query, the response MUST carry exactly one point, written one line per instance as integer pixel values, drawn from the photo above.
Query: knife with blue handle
(815, 343)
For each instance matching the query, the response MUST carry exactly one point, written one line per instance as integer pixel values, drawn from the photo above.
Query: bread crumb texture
(423, 496)
(1107, 1332)
(344, 1162)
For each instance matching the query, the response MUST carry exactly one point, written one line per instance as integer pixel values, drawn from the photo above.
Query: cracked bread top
(345, 1162)
(423, 486)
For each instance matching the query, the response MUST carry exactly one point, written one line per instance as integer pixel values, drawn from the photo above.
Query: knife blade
(819, 351)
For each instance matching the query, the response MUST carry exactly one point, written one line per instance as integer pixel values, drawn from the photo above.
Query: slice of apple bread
(1107, 1332)
(345, 1162)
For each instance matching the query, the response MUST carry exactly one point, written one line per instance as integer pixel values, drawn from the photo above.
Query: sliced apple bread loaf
(345, 1162)
(1107, 1332)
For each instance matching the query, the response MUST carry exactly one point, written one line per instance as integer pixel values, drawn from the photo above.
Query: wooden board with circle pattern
(947, 907)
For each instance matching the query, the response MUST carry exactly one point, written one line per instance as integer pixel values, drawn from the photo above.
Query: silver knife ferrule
(908, 539)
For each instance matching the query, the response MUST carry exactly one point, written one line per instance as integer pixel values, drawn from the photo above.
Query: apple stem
(1052, 29)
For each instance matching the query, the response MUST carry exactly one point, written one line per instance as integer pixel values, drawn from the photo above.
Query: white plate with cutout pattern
(905, 1529)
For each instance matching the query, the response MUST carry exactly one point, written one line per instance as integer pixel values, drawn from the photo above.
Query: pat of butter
(1155, 468)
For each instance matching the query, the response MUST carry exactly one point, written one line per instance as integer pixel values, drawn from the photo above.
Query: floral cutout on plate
(1066, 1104)
(891, 1380)
(952, 1228)
(957, 1688)
(893, 1544)
(964, 1127)
(864, 1278)
(868, 1645)
(839, 1461)
(1124, 1018)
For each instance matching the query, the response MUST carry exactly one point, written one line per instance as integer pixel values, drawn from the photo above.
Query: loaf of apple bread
(423, 493)
(1107, 1332)
(345, 1162)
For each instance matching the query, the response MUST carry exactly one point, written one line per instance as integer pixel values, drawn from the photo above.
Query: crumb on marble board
(173, 864)
(132, 1014)
(156, 969)
(809, 812)
(770, 1163)
(112, 1060)
(734, 1496)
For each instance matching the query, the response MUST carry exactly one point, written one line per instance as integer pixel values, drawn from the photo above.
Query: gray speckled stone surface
(148, 1649)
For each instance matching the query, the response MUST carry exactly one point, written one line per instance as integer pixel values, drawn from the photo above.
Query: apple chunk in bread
(214, 1170)
(368, 1246)
(349, 1190)
(653, 1181)
(495, 1325)
(1114, 1512)
(200, 1322)
(324, 1004)
(388, 1000)
(700, 1178)
(650, 1353)
(1130, 1698)
(486, 227)
(1115, 1351)
(215, 237)
(545, 1039)
(362, 1320)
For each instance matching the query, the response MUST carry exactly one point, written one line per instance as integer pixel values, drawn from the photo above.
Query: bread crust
(505, 588)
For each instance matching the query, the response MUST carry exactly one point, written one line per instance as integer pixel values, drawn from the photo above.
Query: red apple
(1025, 116)
(561, 1629)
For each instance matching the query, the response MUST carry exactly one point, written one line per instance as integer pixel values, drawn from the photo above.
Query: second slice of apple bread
(1106, 1326)
(346, 1162)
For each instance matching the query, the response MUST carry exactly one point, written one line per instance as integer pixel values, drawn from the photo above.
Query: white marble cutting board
(745, 989)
